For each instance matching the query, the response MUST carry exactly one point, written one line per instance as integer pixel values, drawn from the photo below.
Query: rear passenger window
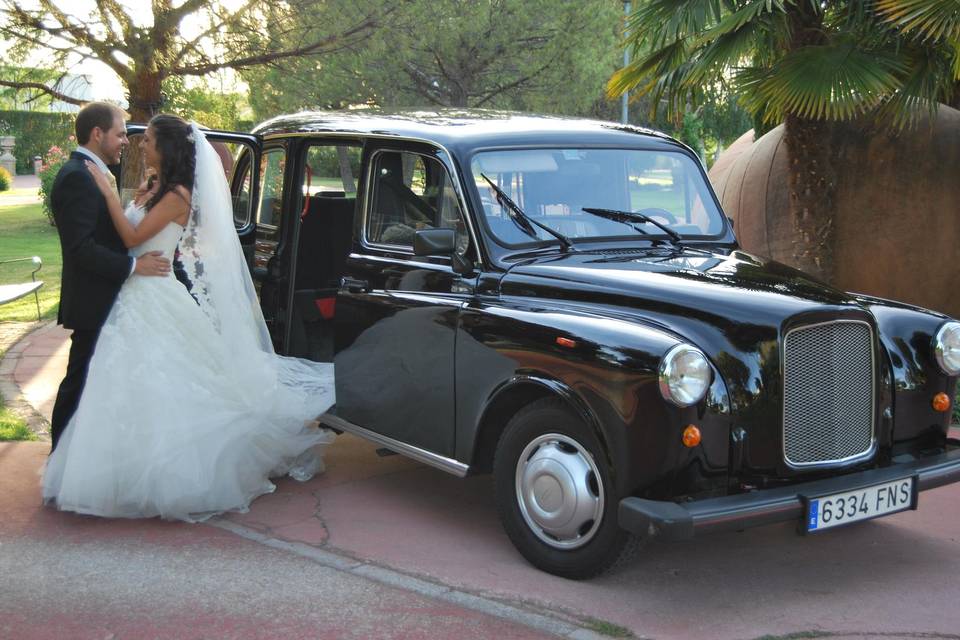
(332, 170)
(329, 190)
(412, 192)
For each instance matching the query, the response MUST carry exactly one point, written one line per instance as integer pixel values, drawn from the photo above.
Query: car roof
(465, 127)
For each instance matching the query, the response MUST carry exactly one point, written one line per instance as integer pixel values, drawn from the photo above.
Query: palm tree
(807, 63)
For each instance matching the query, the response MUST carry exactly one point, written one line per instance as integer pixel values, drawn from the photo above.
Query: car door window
(233, 155)
(410, 192)
(269, 210)
(241, 195)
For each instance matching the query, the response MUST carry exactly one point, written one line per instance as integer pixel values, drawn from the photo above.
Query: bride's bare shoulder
(177, 198)
(182, 192)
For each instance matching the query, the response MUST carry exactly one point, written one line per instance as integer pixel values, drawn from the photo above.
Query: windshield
(553, 186)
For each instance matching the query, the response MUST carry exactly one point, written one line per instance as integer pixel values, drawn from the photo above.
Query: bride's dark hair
(174, 142)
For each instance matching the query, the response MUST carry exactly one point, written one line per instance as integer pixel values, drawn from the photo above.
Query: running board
(420, 455)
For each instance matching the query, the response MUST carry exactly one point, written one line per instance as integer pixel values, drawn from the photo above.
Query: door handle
(354, 285)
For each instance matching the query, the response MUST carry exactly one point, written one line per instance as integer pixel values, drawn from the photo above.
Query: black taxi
(563, 304)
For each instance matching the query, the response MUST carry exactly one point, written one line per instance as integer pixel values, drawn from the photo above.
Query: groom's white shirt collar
(96, 159)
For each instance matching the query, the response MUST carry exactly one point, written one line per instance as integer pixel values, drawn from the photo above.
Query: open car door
(240, 154)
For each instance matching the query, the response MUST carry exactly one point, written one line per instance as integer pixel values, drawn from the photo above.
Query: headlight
(685, 375)
(946, 347)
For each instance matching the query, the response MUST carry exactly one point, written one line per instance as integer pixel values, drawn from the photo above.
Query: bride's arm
(174, 205)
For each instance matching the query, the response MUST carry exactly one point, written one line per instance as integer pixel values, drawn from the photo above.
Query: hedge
(36, 132)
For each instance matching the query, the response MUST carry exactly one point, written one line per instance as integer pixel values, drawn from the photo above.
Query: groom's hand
(152, 264)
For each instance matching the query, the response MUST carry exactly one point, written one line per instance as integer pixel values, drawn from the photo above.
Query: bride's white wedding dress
(167, 425)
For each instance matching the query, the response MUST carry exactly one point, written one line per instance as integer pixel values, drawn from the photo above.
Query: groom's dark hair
(93, 115)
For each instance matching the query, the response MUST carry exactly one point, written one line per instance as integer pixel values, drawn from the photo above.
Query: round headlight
(685, 375)
(946, 347)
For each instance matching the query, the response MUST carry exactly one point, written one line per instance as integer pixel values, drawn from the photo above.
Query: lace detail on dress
(192, 261)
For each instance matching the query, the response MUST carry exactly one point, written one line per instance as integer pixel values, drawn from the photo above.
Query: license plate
(824, 512)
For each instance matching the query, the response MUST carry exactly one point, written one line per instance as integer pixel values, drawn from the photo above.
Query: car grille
(828, 394)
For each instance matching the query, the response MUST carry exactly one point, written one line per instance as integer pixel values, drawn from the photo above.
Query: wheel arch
(515, 394)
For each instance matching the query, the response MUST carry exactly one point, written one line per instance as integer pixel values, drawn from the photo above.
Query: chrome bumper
(672, 521)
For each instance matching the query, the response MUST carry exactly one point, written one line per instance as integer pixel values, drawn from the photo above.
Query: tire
(573, 537)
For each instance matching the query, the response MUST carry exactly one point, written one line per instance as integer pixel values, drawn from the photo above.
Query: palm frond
(925, 84)
(730, 48)
(680, 46)
(835, 81)
(655, 22)
(930, 19)
(955, 51)
(749, 13)
(716, 57)
(639, 76)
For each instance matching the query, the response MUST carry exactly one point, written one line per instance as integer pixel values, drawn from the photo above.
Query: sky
(105, 83)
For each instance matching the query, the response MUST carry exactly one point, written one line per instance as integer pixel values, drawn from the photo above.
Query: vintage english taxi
(562, 303)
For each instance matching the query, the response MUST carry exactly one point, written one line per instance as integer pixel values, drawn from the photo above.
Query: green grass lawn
(25, 232)
(12, 427)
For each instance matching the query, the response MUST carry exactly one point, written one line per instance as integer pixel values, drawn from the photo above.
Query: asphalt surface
(385, 547)
(69, 576)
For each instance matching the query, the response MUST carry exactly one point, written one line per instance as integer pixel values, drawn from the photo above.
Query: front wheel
(555, 494)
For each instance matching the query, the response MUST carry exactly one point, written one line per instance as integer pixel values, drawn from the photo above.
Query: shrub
(52, 161)
(36, 132)
(6, 180)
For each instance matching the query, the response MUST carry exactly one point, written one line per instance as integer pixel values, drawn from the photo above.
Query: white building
(78, 86)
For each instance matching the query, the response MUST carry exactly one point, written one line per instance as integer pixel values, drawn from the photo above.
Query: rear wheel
(555, 494)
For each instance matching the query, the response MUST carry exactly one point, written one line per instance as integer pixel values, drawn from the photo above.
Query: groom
(95, 260)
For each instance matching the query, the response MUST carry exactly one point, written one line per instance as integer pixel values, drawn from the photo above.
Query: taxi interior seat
(326, 236)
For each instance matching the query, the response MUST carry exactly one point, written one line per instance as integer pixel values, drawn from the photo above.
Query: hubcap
(559, 491)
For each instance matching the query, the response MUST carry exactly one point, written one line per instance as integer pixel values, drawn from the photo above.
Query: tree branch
(42, 87)
(271, 56)
(177, 14)
(215, 26)
(26, 25)
(512, 85)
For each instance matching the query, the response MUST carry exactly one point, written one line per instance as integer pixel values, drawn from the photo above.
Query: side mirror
(434, 242)
(441, 242)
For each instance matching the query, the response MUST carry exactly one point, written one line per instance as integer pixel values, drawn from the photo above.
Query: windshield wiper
(627, 217)
(524, 221)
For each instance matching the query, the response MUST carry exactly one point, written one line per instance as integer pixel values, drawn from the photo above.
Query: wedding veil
(213, 259)
(220, 282)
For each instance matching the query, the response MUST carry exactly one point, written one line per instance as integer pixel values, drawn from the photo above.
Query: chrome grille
(828, 393)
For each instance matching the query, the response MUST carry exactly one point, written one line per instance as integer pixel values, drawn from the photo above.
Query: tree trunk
(143, 92)
(346, 173)
(145, 95)
(813, 167)
(813, 182)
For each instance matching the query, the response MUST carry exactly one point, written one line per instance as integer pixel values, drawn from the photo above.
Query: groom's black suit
(95, 264)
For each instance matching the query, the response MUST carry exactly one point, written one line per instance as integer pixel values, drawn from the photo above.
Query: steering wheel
(657, 212)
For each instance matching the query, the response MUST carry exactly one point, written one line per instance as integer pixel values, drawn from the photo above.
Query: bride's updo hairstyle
(174, 141)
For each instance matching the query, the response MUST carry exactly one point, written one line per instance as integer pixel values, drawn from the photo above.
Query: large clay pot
(897, 223)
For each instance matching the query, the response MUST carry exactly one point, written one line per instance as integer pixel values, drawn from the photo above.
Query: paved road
(898, 577)
(67, 576)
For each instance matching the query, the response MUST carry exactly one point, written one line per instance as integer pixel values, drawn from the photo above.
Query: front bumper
(672, 521)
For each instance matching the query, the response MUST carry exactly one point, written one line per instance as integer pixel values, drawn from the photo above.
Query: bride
(187, 411)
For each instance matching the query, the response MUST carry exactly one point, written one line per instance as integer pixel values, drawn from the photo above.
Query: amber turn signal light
(566, 342)
(941, 402)
(691, 436)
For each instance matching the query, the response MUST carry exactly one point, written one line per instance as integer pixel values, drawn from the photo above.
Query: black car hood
(664, 284)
